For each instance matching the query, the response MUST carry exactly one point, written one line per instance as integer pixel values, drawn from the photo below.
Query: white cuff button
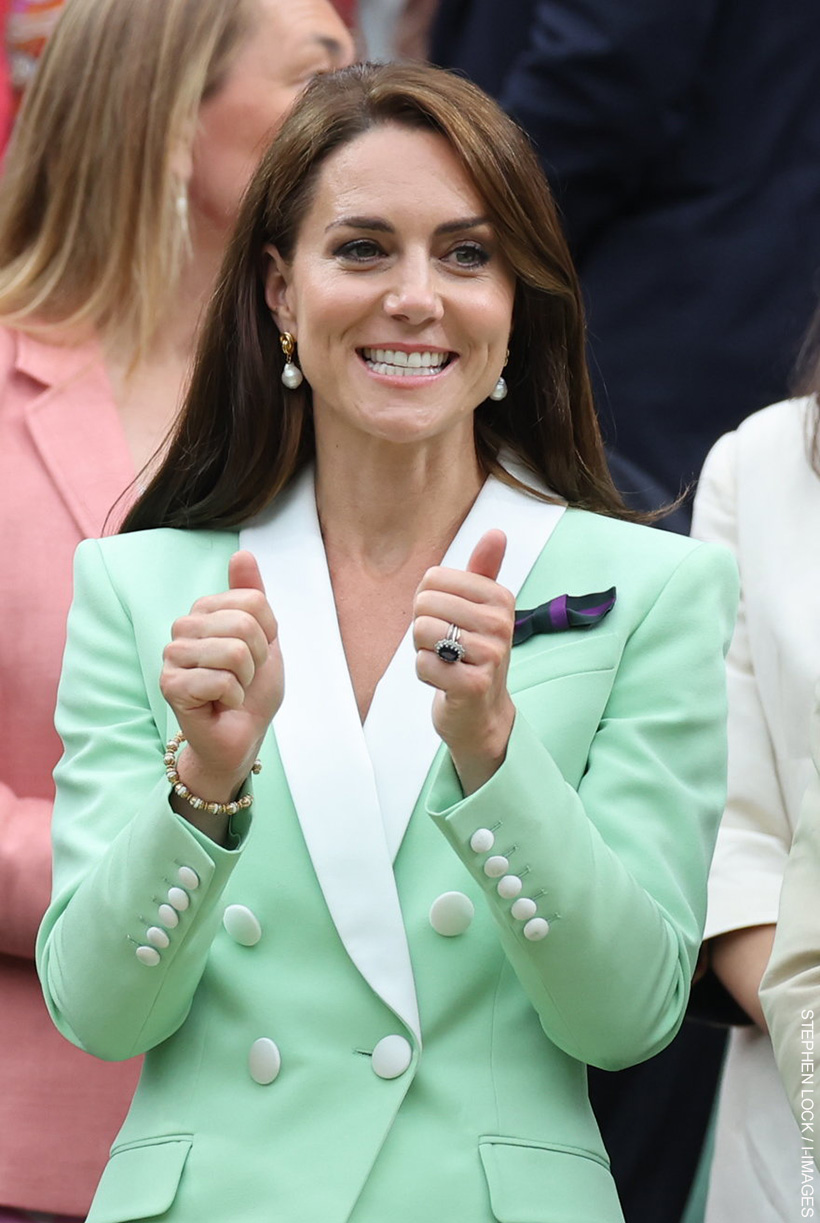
(264, 1061)
(188, 877)
(482, 841)
(497, 866)
(179, 899)
(148, 956)
(451, 913)
(536, 929)
(242, 925)
(391, 1057)
(157, 937)
(168, 916)
(509, 887)
(524, 909)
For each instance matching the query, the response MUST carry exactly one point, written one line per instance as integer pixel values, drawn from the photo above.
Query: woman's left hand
(472, 711)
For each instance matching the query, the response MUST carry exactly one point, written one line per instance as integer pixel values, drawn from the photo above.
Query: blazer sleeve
(617, 868)
(119, 846)
(754, 837)
(602, 87)
(790, 990)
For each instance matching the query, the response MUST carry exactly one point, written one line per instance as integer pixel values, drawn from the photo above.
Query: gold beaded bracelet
(200, 804)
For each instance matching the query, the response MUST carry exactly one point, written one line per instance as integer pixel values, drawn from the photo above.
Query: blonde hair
(91, 234)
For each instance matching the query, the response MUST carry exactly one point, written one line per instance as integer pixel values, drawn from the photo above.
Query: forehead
(398, 168)
(280, 28)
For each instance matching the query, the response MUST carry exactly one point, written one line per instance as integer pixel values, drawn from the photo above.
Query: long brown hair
(90, 231)
(241, 436)
(806, 381)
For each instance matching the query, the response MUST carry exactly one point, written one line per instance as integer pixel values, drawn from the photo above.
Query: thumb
(243, 572)
(488, 554)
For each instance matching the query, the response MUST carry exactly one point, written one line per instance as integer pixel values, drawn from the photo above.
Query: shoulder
(758, 480)
(591, 553)
(155, 567)
(648, 549)
(767, 441)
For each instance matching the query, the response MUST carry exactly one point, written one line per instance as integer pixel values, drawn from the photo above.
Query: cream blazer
(790, 992)
(760, 497)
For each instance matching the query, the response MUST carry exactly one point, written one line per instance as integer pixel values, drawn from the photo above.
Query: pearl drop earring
(499, 391)
(292, 376)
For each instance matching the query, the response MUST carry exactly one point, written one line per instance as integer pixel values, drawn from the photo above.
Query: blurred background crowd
(682, 143)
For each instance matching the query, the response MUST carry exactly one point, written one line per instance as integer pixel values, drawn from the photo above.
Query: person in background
(6, 99)
(759, 494)
(139, 132)
(790, 989)
(473, 854)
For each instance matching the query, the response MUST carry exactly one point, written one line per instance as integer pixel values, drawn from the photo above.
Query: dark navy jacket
(683, 144)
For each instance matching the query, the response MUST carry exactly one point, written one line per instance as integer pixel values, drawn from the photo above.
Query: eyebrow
(384, 227)
(332, 45)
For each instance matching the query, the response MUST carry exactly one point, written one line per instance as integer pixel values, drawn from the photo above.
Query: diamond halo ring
(449, 648)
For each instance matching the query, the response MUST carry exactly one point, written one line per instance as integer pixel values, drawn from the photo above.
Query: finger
(488, 554)
(479, 648)
(243, 572)
(494, 619)
(458, 680)
(186, 691)
(227, 622)
(250, 602)
(214, 653)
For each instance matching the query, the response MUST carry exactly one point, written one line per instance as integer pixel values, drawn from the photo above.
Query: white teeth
(397, 363)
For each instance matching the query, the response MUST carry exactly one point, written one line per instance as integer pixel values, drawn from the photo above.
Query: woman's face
(288, 43)
(398, 294)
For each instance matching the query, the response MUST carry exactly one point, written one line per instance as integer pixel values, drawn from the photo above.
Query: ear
(277, 291)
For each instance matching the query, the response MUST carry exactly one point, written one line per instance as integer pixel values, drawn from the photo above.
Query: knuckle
(182, 627)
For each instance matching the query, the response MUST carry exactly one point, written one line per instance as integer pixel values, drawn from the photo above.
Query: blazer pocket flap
(530, 1183)
(545, 658)
(140, 1180)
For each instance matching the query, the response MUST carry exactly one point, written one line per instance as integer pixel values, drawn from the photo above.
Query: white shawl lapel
(355, 788)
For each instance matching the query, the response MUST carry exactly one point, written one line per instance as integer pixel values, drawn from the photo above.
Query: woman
(759, 494)
(790, 990)
(139, 132)
(354, 1010)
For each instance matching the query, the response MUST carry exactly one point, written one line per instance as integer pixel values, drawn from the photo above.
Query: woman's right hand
(224, 680)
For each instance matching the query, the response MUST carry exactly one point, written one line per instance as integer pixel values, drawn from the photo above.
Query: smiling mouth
(398, 364)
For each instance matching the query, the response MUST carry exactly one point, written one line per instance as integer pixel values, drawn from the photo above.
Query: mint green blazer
(349, 1014)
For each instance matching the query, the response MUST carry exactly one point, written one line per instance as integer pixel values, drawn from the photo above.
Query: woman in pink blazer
(108, 249)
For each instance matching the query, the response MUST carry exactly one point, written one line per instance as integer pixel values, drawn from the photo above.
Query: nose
(413, 296)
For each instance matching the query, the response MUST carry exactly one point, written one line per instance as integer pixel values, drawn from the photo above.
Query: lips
(396, 363)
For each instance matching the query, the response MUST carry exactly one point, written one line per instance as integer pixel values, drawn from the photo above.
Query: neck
(384, 507)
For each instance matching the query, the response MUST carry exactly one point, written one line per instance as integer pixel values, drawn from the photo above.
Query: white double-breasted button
(536, 928)
(524, 909)
(148, 956)
(188, 877)
(482, 841)
(509, 887)
(496, 866)
(242, 925)
(179, 899)
(168, 916)
(264, 1061)
(157, 937)
(392, 1056)
(451, 913)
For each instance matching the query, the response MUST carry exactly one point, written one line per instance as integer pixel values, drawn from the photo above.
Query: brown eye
(469, 255)
(360, 250)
